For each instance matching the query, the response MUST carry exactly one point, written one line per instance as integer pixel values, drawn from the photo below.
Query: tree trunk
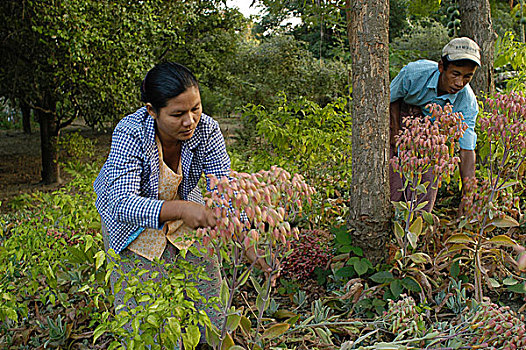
(475, 19)
(370, 214)
(49, 147)
(26, 117)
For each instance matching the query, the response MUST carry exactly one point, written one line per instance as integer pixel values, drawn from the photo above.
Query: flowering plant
(254, 212)
(493, 200)
(425, 144)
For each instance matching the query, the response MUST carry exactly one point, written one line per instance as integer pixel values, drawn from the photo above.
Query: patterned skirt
(207, 288)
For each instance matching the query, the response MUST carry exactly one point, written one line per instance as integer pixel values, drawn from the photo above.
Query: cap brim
(456, 57)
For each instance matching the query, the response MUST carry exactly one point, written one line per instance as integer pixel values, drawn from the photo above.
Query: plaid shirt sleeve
(126, 199)
(216, 160)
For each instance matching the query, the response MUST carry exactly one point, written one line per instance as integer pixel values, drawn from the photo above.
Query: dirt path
(20, 162)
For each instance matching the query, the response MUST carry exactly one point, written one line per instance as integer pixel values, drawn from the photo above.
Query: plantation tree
(69, 58)
(370, 207)
(367, 23)
(475, 17)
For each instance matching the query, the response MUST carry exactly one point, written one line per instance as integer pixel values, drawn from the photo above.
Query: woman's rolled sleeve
(127, 203)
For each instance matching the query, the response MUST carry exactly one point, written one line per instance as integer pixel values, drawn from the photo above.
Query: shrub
(312, 250)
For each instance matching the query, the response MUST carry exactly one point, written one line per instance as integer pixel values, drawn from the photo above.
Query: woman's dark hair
(459, 63)
(165, 81)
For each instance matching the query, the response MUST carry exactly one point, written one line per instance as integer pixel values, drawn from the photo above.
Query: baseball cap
(462, 48)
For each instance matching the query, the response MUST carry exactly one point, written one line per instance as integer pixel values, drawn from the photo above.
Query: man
(423, 82)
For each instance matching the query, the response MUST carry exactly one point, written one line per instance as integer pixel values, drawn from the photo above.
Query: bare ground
(21, 165)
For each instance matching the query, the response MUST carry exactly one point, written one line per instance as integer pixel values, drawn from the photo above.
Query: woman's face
(178, 119)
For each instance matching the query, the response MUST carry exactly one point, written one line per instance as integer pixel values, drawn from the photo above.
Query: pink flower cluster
(255, 207)
(505, 126)
(428, 143)
(479, 200)
(506, 122)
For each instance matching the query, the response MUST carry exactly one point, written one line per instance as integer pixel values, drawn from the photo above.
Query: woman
(147, 192)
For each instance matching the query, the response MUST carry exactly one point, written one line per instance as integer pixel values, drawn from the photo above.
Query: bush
(281, 63)
(423, 40)
(312, 250)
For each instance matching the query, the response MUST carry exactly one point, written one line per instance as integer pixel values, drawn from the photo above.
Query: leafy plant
(510, 61)
(77, 146)
(493, 197)
(312, 250)
(320, 134)
(165, 316)
(253, 213)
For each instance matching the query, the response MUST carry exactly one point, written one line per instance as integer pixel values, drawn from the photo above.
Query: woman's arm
(193, 214)
(127, 198)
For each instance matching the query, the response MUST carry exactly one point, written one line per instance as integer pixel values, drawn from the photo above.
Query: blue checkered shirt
(127, 186)
(417, 84)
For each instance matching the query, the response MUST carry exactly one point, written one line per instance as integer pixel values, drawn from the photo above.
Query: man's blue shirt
(417, 84)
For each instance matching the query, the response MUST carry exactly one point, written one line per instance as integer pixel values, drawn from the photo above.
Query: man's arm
(394, 121)
(467, 171)
(467, 164)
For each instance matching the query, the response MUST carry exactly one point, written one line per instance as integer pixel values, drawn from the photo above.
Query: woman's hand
(261, 264)
(193, 214)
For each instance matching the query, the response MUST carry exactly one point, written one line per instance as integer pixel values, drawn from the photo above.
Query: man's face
(454, 78)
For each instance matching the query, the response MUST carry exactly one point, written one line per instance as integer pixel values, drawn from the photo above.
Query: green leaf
(356, 250)
(224, 293)
(454, 271)
(493, 282)
(212, 336)
(345, 272)
(382, 277)
(401, 206)
(244, 277)
(361, 267)
(256, 285)
(173, 329)
(191, 337)
(421, 206)
(275, 330)
(246, 325)
(281, 314)
(420, 258)
(502, 240)
(416, 227)
(411, 284)
(459, 238)
(99, 331)
(232, 322)
(153, 320)
(510, 281)
(428, 217)
(421, 189)
(518, 288)
(89, 243)
(99, 259)
(505, 222)
(412, 238)
(228, 342)
(398, 230)
(396, 288)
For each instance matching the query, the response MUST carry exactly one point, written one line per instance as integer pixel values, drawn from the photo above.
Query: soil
(21, 165)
